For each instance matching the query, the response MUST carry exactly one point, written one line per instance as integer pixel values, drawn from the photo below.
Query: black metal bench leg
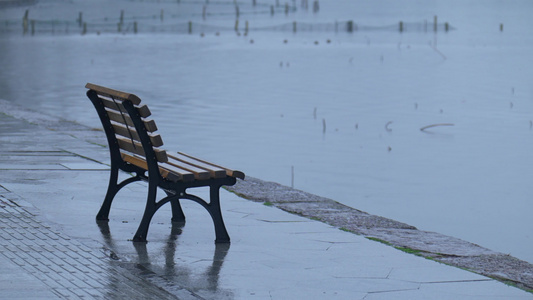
(216, 213)
(177, 213)
(112, 189)
(149, 211)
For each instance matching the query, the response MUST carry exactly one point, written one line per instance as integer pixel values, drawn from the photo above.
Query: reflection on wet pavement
(205, 283)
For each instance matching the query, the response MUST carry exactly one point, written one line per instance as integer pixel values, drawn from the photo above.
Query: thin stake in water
(292, 176)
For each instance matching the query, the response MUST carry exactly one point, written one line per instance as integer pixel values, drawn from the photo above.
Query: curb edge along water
(431, 245)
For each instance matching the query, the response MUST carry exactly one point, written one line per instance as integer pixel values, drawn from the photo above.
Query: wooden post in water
(237, 13)
(349, 26)
(271, 10)
(237, 25)
(190, 27)
(135, 27)
(501, 26)
(446, 27)
(435, 24)
(25, 22)
(84, 31)
(32, 27)
(294, 26)
(80, 19)
(292, 176)
(401, 26)
(286, 8)
(121, 16)
(246, 27)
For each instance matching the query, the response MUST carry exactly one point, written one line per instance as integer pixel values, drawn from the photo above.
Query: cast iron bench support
(134, 148)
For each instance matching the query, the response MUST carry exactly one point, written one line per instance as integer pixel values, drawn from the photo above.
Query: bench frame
(175, 190)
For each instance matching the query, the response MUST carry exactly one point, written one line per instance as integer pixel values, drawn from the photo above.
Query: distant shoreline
(14, 3)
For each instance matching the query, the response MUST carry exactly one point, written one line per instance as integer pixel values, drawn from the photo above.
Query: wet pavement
(52, 180)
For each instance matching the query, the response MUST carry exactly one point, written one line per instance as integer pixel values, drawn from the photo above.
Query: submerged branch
(437, 50)
(387, 126)
(435, 125)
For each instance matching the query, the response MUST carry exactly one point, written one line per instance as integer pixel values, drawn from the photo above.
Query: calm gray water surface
(252, 106)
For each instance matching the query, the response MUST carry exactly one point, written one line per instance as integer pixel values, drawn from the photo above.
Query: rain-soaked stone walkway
(65, 265)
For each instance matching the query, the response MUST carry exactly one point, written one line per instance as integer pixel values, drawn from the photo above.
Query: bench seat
(183, 167)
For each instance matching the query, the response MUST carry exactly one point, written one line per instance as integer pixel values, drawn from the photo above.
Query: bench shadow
(179, 273)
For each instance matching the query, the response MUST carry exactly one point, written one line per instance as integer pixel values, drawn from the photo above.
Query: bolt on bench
(135, 148)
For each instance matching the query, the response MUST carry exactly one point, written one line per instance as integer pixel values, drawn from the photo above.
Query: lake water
(342, 109)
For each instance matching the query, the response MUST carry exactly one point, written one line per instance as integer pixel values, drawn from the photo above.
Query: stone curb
(432, 245)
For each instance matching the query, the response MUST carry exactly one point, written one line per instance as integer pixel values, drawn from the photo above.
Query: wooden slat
(229, 172)
(199, 174)
(125, 119)
(169, 172)
(128, 146)
(214, 171)
(143, 110)
(113, 93)
(184, 174)
(130, 132)
(136, 147)
(141, 163)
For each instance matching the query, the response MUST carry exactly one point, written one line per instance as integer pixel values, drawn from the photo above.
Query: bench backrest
(126, 123)
(135, 146)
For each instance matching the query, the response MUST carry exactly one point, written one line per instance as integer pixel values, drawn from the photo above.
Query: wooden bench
(135, 148)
